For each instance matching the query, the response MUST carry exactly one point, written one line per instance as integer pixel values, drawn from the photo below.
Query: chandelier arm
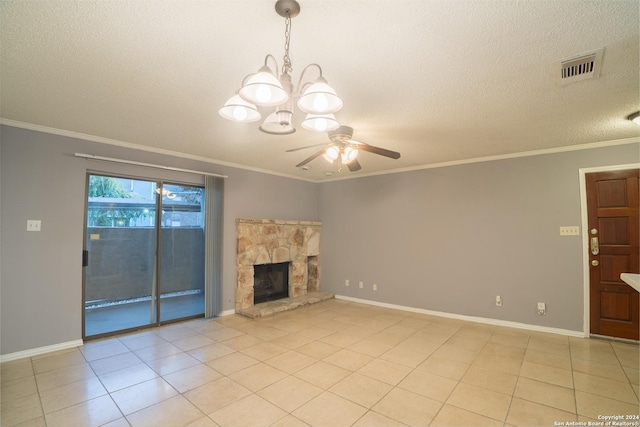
(302, 87)
(275, 61)
(266, 60)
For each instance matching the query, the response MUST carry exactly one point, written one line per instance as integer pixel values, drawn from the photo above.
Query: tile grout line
(515, 386)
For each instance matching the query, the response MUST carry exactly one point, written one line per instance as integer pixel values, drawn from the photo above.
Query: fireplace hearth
(270, 282)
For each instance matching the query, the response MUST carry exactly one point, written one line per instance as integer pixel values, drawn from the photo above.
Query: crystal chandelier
(265, 89)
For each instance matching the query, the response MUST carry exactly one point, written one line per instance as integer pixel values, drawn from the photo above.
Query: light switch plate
(33, 224)
(570, 231)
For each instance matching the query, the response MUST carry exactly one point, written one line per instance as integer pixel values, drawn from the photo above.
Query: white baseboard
(40, 350)
(485, 320)
(226, 312)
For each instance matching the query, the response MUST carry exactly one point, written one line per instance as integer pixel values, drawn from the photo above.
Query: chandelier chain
(286, 66)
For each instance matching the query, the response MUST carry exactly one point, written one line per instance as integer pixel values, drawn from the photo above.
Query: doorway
(143, 254)
(613, 234)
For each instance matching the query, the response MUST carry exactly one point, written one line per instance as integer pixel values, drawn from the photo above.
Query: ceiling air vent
(585, 66)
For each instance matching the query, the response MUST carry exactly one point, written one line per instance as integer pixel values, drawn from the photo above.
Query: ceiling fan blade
(380, 151)
(354, 165)
(311, 157)
(304, 148)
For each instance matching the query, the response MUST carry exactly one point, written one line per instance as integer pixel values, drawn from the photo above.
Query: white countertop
(631, 279)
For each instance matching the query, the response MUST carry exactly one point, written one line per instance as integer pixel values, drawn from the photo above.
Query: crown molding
(133, 146)
(139, 147)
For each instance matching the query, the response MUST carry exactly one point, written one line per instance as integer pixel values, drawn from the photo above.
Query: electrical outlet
(33, 225)
(361, 285)
(346, 282)
(375, 287)
(570, 231)
(498, 300)
(542, 308)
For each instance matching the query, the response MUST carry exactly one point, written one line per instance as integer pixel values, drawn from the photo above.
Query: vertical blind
(214, 197)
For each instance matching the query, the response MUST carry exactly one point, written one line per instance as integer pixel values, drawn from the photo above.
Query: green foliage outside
(104, 186)
(107, 187)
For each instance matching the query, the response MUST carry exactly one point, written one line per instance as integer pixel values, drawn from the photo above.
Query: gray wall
(40, 272)
(451, 239)
(446, 239)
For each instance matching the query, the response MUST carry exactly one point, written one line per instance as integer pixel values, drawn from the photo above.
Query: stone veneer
(266, 241)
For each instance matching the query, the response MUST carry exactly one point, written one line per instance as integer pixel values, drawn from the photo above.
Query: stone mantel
(267, 241)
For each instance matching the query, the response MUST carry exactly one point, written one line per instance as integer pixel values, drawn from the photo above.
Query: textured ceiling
(438, 81)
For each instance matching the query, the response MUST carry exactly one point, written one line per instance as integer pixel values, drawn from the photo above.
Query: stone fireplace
(266, 241)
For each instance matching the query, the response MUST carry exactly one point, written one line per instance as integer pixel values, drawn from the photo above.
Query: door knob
(595, 263)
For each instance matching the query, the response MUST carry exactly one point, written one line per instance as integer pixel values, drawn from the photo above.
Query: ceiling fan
(343, 149)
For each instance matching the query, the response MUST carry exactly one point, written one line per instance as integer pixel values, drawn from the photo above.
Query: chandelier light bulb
(263, 88)
(319, 98)
(320, 123)
(237, 109)
(320, 103)
(263, 93)
(240, 114)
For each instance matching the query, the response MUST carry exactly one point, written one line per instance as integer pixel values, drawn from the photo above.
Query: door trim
(585, 233)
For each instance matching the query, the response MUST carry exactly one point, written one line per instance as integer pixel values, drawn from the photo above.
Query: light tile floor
(336, 363)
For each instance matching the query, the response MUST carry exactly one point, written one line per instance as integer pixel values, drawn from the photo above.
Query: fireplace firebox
(270, 282)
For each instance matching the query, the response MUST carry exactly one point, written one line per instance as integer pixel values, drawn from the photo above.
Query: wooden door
(612, 204)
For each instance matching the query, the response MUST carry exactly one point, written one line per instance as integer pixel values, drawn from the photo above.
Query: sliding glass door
(182, 252)
(144, 254)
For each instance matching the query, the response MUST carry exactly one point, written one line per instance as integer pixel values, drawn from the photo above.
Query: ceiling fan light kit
(265, 89)
(635, 117)
(349, 154)
(331, 153)
(343, 149)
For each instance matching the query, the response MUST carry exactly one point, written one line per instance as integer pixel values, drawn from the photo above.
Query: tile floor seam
(573, 376)
(608, 397)
(385, 395)
(624, 370)
(102, 384)
(553, 407)
(38, 391)
(437, 413)
(477, 413)
(515, 387)
(573, 381)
